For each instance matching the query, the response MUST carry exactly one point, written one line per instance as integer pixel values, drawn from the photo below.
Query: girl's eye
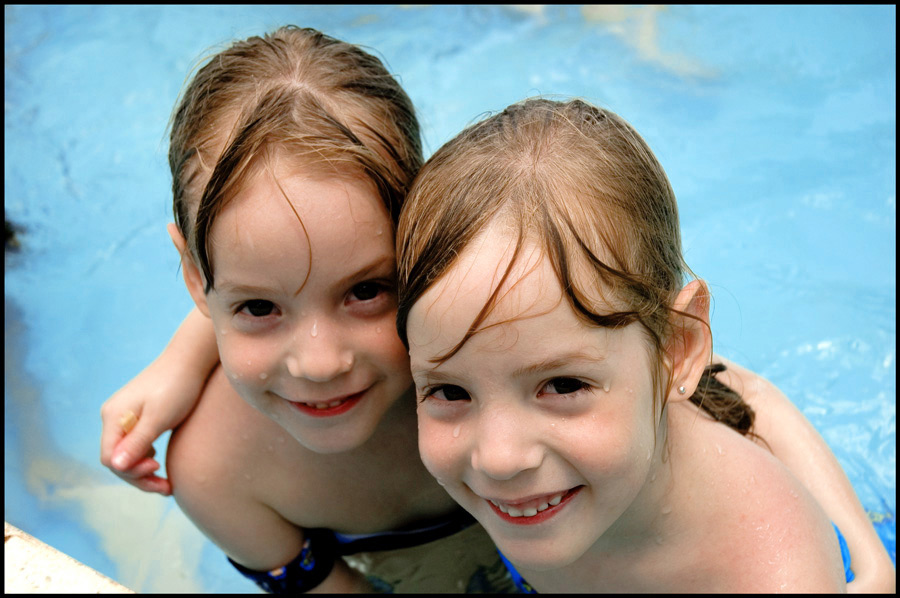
(258, 308)
(366, 291)
(564, 386)
(448, 392)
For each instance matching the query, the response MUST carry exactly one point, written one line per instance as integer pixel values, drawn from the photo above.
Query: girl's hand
(134, 417)
(157, 400)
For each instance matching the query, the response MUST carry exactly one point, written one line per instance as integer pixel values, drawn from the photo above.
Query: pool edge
(30, 566)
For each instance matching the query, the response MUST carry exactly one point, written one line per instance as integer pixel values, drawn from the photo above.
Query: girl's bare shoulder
(763, 529)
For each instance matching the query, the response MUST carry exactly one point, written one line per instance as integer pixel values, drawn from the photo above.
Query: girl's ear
(193, 278)
(689, 348)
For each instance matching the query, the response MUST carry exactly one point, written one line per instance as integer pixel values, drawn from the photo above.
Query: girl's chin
(535, 559)
(326, 442)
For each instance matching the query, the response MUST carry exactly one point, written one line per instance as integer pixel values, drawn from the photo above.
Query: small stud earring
(681, 390)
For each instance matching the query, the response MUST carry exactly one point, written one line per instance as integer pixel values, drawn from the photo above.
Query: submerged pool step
(30, 567)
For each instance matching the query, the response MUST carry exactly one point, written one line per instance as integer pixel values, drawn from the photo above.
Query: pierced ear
(193, 278)
(689, 348)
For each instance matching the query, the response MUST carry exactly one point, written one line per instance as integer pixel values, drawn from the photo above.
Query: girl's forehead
(522, 281)
(312, 192)
(508, 280)
(292, 221)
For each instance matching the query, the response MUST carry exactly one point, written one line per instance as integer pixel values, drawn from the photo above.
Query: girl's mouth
(329, 408)
(534, 511)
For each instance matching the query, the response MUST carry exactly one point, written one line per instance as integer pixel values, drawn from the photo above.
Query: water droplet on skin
(456, 432)
(606, 386)
(313, 332)
(666, 510)
(223, 332)
(653, 478)
(263, 376)
(720, 450)
(380, 232)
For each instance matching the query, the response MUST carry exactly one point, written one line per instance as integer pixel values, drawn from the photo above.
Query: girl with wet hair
(291, 156)
(568, 394)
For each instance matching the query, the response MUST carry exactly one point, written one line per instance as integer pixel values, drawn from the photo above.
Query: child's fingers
(134, 445)
(154, 484)
(142, 468)
(141, 475)
(110, 434)
(148, 482)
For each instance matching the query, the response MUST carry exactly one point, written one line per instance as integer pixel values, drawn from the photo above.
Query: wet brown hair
(331, 106)
(584, 184)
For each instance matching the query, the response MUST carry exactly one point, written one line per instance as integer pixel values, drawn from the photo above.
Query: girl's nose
(318, 354)
(504, 445)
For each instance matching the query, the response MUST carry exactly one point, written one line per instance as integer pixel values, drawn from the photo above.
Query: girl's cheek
(246, 362)
(440, 447)
(384, 343)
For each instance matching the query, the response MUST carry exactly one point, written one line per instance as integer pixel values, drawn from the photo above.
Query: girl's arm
(225, 488)
(795, 442)
(160, 398)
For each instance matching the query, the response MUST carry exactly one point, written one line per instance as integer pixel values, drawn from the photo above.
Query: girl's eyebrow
(386, 261)
(561, 362)
(374, 266)
(223, 287)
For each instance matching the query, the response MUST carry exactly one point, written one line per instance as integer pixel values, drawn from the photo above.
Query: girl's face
(305, 314)
(540, 426)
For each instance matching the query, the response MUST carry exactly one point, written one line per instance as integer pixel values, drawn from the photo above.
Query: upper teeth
(324, 405)
(530, 511)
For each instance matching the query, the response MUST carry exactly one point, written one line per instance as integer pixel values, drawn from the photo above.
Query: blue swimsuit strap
(393, 540)
(845, 555)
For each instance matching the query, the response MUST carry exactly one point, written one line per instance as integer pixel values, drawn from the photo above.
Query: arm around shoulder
(782, 538)
(156, 400)
(797, 444)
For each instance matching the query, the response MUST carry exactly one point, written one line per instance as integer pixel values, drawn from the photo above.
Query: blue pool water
(776, 126)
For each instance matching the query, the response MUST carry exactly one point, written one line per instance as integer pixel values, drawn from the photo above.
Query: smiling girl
(563, 368)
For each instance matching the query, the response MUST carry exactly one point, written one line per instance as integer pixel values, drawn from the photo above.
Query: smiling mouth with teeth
(330, 408)
(536, 511)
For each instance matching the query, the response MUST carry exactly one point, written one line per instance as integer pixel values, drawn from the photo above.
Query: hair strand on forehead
(581, 182)
(328, 103)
